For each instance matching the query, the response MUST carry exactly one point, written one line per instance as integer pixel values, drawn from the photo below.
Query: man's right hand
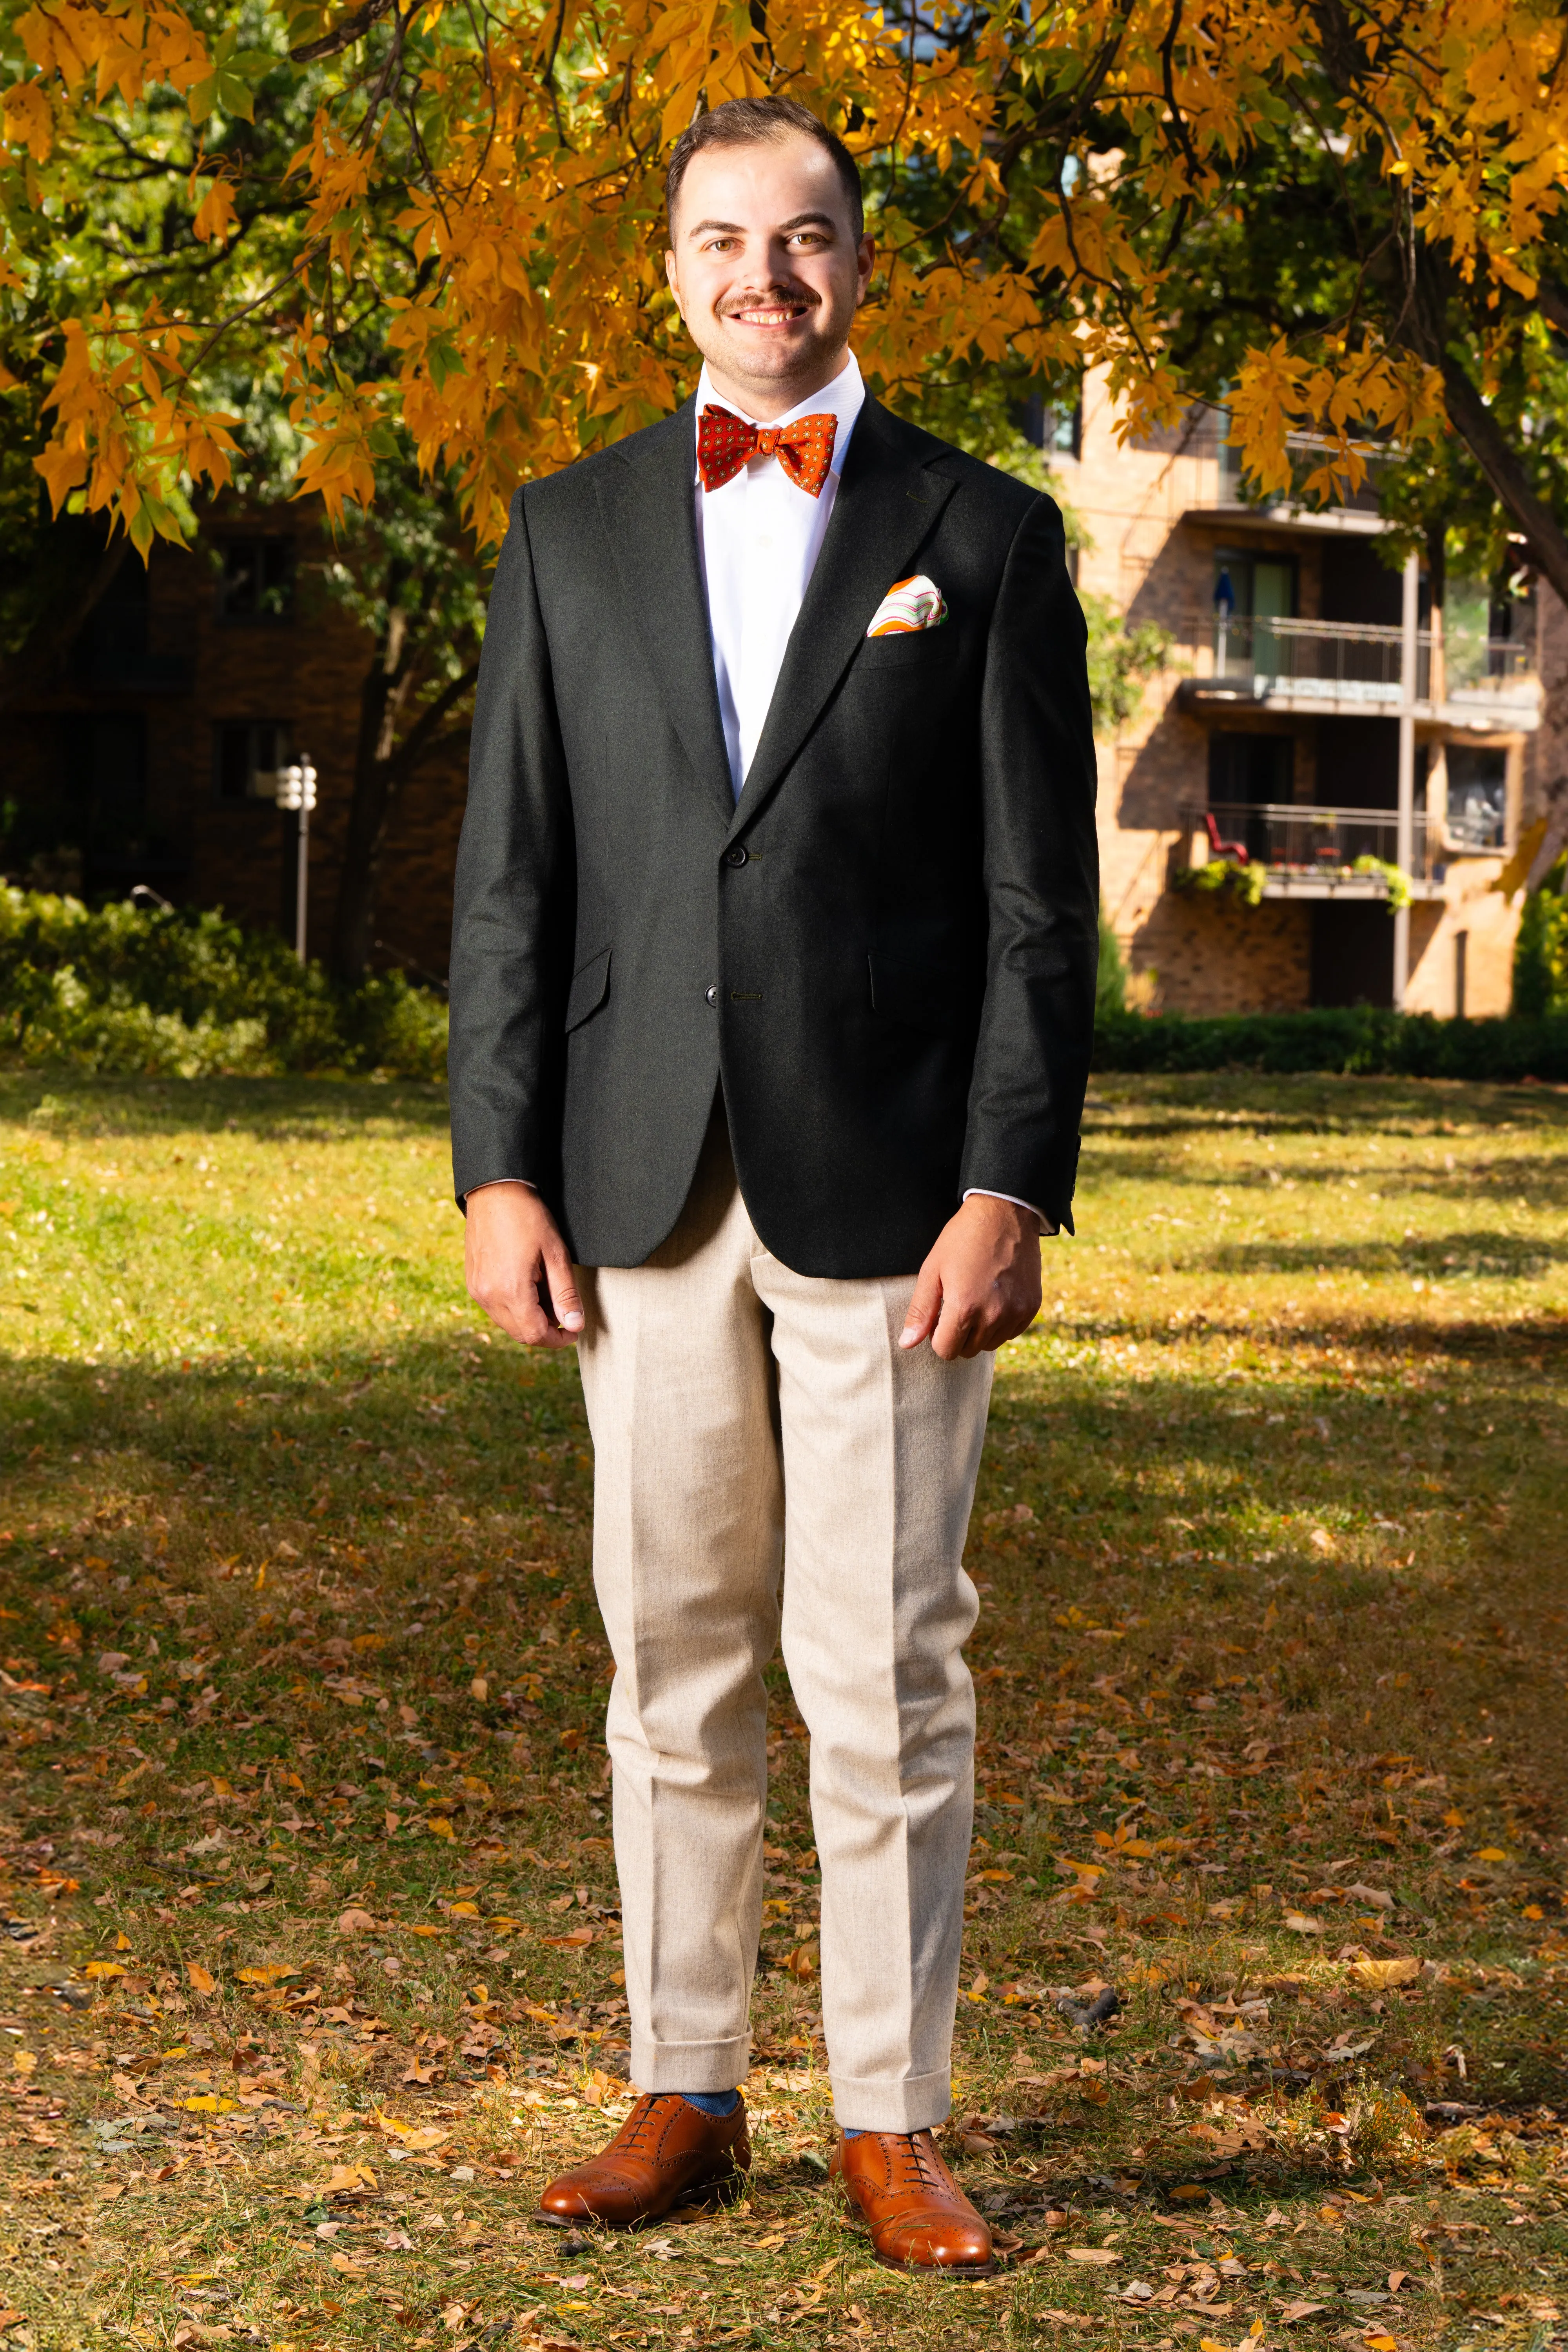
(518, 1267)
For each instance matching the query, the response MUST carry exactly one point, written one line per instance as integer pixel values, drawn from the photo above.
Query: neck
(763, 401)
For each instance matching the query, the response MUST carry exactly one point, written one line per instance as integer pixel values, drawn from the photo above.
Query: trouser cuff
(909, 2103)
(690, 2065)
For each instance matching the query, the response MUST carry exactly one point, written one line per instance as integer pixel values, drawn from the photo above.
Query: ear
(865, 262)
(670, 272)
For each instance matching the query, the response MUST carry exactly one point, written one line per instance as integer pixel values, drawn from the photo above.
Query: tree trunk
(375, 784)
(382, 767)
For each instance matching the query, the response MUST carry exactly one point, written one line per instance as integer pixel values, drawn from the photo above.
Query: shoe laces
(917, 2158)
(642, 2120)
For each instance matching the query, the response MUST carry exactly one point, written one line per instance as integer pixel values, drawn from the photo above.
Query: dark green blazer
(885, 953)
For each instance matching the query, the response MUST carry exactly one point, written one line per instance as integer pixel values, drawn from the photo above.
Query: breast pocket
(911, 649)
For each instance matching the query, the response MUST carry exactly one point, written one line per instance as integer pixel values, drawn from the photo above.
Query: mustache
(759, 297)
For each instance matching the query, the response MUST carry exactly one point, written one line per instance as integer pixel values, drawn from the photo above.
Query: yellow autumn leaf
(438, 1825)
(200, 1980)
(23, 2060)
(1379, 1976)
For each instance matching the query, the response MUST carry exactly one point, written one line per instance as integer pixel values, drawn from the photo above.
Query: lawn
(311, 1971)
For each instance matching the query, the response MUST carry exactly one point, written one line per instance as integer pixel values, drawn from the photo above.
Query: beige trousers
(766, 1456)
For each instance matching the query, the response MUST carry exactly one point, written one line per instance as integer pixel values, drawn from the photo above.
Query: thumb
(563, 1296)
(920, 1316)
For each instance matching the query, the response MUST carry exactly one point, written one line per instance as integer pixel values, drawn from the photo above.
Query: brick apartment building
(146, 760)
(1277, 727)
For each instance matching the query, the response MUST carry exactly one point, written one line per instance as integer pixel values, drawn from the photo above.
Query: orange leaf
(200, 1980)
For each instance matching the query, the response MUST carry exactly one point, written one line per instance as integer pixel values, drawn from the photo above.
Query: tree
(428, 239)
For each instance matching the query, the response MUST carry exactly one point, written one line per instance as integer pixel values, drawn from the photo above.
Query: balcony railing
(1306, 453)
(1336, 663)
(1295, 839)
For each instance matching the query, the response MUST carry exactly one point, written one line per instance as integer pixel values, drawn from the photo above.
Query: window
(1250, 771)
(1249, 593)
(1477, 795)
(257, 579)
(246, 750)
(1056, 428)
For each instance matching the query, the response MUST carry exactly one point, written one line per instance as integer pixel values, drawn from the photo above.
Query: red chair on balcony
(1218, 848)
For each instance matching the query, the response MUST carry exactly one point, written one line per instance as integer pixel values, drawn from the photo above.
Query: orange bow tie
(803, 447)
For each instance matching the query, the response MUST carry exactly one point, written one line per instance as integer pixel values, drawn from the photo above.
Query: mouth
(775, 312)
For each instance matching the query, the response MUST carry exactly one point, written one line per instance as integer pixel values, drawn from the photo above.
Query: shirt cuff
(1048, 1225)
(492, 1181)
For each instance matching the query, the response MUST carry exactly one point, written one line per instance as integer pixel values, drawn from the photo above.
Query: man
(773, 990)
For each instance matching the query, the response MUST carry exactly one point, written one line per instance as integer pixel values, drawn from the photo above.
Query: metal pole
(1405, 850)
(301, 881)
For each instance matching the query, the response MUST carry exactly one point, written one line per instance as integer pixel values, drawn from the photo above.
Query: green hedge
(1361, 1040)
(181, 993)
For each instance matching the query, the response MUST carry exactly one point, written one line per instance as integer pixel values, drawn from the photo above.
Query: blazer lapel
(648, 510)
(887, 503)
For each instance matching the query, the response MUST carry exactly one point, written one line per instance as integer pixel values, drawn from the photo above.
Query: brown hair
(754, 121)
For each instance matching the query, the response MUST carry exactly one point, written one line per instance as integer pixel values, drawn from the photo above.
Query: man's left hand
(980, 1287)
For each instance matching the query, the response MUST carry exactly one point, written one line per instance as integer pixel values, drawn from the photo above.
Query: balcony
(1239, 501)
(1347, 666)
(1307, 852)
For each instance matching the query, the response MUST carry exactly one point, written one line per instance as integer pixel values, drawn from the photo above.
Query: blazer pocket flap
(589, 986)
(908, 988)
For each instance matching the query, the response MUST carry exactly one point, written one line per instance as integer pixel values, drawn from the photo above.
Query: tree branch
(1488, 444)
(342, 35)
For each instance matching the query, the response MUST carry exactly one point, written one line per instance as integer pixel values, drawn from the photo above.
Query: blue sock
(849, 2134)
(712, 2103)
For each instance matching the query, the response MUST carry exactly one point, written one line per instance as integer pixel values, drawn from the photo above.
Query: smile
(775, 315)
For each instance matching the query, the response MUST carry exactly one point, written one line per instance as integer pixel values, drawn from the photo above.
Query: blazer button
(712, 995)
(736, 856)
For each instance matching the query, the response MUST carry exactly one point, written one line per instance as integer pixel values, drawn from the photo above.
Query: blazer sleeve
(1042, 882)
(514, 911)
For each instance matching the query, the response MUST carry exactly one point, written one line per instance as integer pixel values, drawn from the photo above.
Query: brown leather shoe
(920, 2220)
(665, 2152)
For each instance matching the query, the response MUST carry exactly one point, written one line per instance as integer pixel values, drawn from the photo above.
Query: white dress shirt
(758, 539)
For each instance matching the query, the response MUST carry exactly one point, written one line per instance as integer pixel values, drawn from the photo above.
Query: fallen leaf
(1100, 2255)
(1303, 1924)
(480, 1687)
(355, 1923)
(269, 1973)
(1381, 2342)
(348, 2267)
(1378, 1976)
(1379, 1895)
(199, 1979)
(344, 2179)
(439, 1826)
(23, 2060)
(1397, 2279)
(103, 1969)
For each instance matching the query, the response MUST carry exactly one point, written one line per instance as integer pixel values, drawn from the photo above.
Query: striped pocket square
(908, 605)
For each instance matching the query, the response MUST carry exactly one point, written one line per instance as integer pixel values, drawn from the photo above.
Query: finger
(956, 1327)
(924, 1306)
(562, 1289)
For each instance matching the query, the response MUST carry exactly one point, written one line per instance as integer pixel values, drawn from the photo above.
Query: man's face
(766, 270)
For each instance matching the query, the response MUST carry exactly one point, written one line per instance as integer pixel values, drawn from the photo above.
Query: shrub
(1360, 1039)
(1541, 948)
(183, 993)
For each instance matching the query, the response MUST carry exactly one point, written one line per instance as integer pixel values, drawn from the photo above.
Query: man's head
(768, 257)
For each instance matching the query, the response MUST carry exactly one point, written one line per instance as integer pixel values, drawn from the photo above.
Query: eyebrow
(737, 228)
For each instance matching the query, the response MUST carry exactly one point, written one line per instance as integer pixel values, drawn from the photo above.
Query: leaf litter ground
(310, 1973)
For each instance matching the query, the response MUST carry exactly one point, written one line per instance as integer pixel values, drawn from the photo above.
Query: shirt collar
(843, 398)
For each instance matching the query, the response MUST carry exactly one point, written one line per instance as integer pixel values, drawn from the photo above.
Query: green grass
(297, 1626)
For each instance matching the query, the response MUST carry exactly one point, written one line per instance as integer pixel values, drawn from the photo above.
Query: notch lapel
(649, 513)
(887, 504)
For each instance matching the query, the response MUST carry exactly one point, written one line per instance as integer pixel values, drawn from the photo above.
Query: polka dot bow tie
(803, 447)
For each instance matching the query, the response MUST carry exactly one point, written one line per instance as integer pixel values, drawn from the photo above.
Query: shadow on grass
(1488, 1251)
(273, 1110)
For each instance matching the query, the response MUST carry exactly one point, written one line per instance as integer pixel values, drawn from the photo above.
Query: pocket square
(909, 605)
